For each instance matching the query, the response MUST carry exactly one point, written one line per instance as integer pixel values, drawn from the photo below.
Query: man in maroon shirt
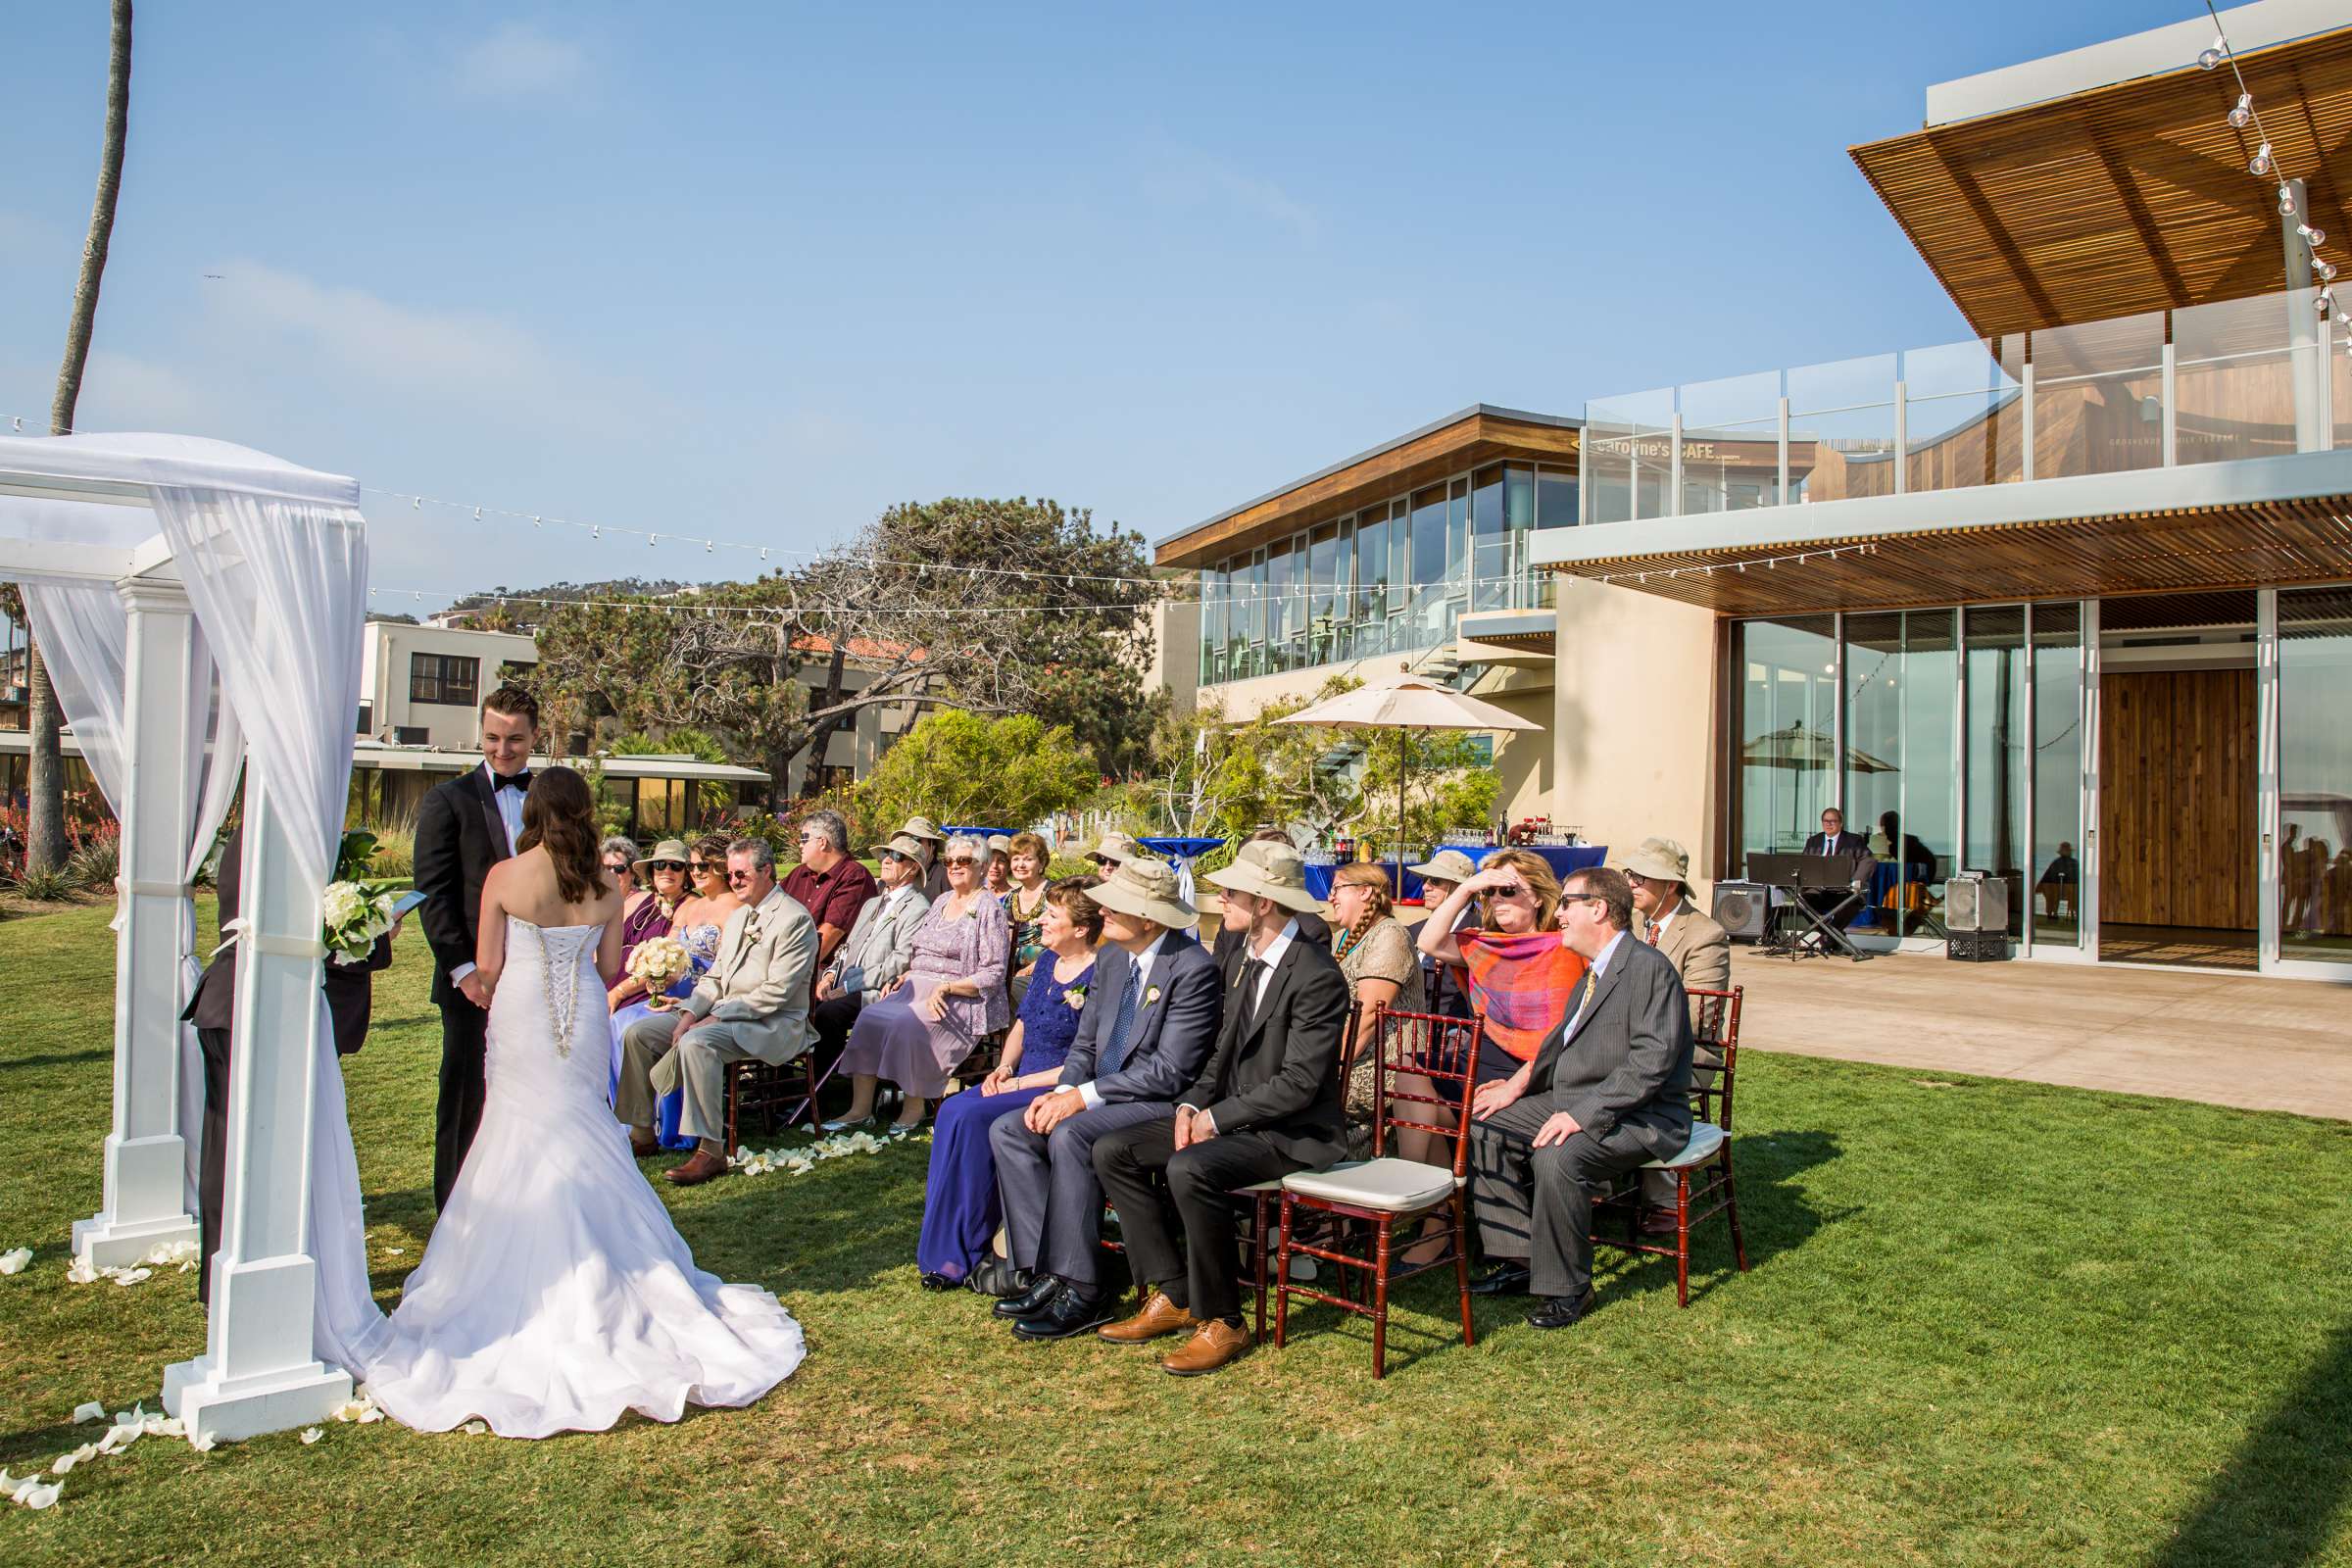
(828, 882)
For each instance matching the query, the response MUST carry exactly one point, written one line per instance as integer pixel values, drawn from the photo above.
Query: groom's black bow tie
(512, 781)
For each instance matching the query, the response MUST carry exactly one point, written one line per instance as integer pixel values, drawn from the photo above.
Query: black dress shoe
(998, 1278)
(936, 1282)
(1503, 1279)
(1041, 1291)
(1068, 1313)
(1560, 1312)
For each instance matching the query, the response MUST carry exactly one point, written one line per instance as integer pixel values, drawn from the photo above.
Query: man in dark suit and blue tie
(463, 828)
(1150, 1019)
(1608, 1091)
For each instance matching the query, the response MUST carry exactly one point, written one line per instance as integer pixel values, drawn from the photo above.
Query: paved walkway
(2228, 1040)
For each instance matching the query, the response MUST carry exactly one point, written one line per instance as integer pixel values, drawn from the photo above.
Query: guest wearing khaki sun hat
(1116, 850)
(1439, 875)
(1150, 1019)
(926, 831)
(1266, 1104)
(1700, 951)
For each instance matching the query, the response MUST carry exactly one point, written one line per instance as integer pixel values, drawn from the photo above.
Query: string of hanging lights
(2243, 114)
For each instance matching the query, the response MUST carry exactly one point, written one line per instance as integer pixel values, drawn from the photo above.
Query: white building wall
(385, 663)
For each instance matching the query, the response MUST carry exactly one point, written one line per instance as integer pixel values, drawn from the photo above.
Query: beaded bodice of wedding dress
(556, 1293)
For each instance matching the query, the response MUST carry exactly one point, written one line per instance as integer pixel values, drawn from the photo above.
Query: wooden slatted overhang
(2245, 545)
(1479, 435)
(2127, 198)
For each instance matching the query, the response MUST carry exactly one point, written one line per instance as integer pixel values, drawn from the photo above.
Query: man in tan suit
(1701, 952)
(753, 1003)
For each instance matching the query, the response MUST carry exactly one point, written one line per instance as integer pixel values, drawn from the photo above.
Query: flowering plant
(357, 913)
(659, 962)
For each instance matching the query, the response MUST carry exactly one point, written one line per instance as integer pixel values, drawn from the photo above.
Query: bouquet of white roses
(659, 962)
(357, 913)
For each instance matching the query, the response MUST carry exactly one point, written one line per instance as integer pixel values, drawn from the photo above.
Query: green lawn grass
(1987, 1323)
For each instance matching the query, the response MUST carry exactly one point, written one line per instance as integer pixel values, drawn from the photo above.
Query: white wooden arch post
(80, 511)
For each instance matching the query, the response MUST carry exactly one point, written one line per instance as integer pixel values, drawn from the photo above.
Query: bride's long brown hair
(560, 813)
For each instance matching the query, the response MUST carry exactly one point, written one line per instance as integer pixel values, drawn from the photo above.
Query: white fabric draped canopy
(274, 562)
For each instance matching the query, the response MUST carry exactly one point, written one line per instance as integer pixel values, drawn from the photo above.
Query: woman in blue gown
(961, 1210)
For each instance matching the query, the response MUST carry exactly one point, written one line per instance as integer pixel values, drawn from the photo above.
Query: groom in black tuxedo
(463, 828)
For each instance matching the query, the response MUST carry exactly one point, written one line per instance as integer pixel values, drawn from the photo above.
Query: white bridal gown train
(555, 1293)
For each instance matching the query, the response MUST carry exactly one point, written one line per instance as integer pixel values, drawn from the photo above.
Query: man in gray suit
(1150, 1019)
(753, 1003)
(1609, 1091)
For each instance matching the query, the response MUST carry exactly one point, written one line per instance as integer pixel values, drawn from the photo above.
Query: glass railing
(2206, 383)
(1365, 623)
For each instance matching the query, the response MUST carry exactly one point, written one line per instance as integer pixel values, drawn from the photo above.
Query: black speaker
(1743, 909)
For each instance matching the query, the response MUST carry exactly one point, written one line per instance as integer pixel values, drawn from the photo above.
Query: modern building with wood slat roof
(2068, 606)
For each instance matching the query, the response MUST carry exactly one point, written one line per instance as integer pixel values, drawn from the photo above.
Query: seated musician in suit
(1835, 843)
(1267, 1103)
(1608, 1090)
(1150, 1019)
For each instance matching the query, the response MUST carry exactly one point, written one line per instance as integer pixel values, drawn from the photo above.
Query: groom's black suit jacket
(459, 839)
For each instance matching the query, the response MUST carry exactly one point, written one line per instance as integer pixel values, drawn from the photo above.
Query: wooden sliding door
(2177, 798)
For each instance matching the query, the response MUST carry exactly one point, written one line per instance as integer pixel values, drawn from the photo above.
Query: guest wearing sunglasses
(651, 888)
(953, 995)
(696, 920)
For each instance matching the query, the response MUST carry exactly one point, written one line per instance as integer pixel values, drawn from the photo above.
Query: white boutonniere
(1076, 998)
(1150, 995)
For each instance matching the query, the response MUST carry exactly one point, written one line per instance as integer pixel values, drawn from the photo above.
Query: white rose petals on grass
(12, 1260)
(311, 1435)
(92, 1411)
(164, 1255)
(801, 1162)
(30, 1492)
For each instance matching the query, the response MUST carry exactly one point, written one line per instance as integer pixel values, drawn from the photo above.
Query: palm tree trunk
(45, 782)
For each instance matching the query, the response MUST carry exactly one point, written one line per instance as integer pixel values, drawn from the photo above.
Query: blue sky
(759, 270)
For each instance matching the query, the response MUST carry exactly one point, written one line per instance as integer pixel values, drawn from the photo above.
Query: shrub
(97, 863)
(47, 887)
(395, 851)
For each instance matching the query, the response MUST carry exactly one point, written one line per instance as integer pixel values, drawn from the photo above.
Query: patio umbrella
(1800, 746)
(1405, 702)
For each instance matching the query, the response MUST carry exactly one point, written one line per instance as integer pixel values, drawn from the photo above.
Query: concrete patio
(2183, 1034)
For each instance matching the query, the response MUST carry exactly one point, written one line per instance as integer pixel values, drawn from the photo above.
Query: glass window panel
(1555, 497)
(1902, 690)
(2057, 903)
(1787, 716)
(2234, 373)
(1491, 548)
(1400, 571)
(1964, 421)
(2314, 774)
(1285, 622)
(1212, 625)
(2098, 404)
(1841, 429)
(1993, 640)
(1246, 627)
(1628, 444)
(1731, 443)
(1371, 581)
(1429, 538)
(1458, 536)
(1324, 579)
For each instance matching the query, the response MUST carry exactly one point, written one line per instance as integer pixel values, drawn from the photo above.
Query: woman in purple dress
(960, 1210)
(953, 995)
(651, 886)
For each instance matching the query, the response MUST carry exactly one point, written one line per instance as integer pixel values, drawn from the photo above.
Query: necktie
(516, 781)
(1114, 1055)
(1252, 971)
(1567, 1034)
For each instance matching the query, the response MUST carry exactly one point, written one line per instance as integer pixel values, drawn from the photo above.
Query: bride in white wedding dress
(556, 1293)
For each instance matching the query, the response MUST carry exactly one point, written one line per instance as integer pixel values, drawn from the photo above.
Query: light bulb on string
(2287, 202)
(2326, 270)
(2241, 113)
(2210, 57)
(2260, 163)
(2315, 238)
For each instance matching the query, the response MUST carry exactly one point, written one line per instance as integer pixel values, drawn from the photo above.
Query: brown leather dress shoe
(699, 1169)
(1159, 1316)
(644, 1147)
(1212, 1345)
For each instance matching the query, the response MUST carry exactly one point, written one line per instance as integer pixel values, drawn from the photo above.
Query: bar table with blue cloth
(1181, 854)
(983, 834)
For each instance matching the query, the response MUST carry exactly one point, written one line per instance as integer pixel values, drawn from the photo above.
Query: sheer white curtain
(86, 630)
(280, 581)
